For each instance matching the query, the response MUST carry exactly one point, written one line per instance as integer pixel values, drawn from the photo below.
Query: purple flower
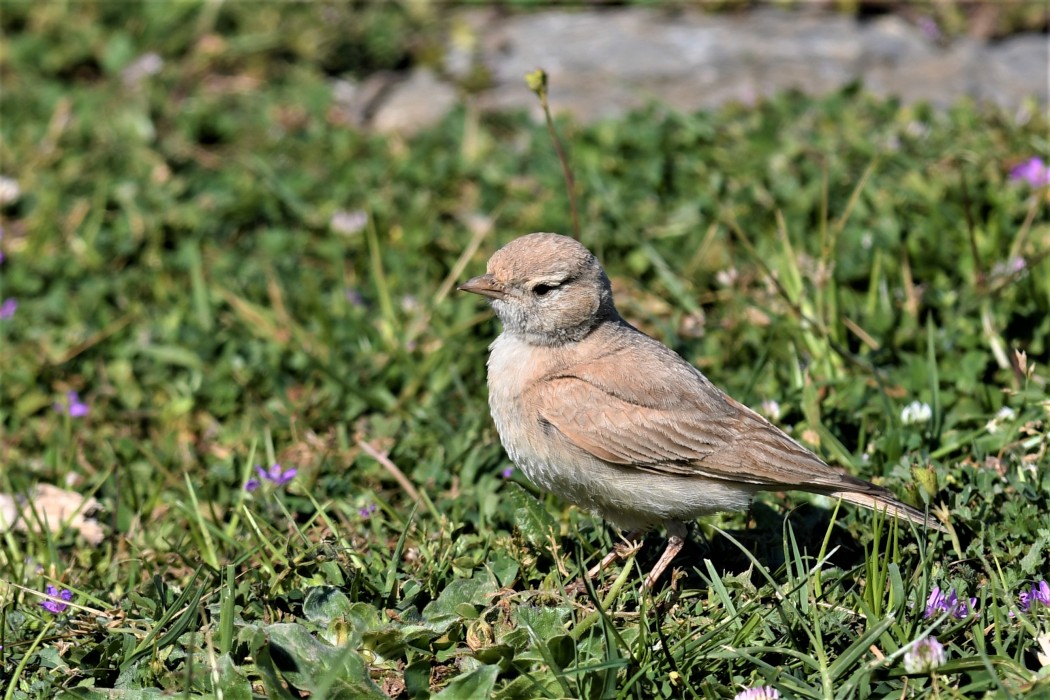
(53, 606)
(275, 475)
(925, 655)
(367, 511)
(1009, 267)
(8, 308)
(1033, 171)
(1040, 593)
(759, 692)
(929, 27)
(935, 603)
(77, 408)
(354, 297)
(507, 473)
(73, 406)
(938, 603)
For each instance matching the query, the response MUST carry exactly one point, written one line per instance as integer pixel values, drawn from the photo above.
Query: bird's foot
(630, 544)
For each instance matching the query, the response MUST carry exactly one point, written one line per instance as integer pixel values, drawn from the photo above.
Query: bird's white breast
(511, 368)
(514, 367)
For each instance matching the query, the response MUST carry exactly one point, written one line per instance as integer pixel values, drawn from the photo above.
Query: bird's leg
(606, 560)
(619, 550)
(676, 533)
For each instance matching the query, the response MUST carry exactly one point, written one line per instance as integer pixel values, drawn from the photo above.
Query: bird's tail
(890, 506)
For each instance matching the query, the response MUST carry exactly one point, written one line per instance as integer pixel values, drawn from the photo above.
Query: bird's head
(546, 289)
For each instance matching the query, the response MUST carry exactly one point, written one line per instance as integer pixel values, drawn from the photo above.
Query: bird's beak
(485, 285)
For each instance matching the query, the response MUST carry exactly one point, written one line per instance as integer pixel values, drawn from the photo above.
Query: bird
(592, 409)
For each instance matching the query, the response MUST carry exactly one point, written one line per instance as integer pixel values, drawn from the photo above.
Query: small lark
(595, 411)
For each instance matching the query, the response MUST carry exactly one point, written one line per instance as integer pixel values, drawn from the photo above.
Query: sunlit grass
(225, 286)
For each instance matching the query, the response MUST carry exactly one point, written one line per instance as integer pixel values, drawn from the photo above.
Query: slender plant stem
(537, 82)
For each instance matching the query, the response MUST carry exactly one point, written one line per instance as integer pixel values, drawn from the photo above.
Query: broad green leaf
(311, 665)
(323, 604)
(531, 518)
(476, 684)
(443, 612)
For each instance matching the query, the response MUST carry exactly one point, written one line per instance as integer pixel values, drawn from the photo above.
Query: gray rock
(463, 48)
(890, 40)
(940, 77)
(414, 104)
(355, 102)
(604, 63)
(1016, 69)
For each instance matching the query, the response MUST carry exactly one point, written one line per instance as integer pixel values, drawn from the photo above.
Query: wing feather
(664, 416)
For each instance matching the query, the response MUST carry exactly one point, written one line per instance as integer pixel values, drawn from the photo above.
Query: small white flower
(1001, 416)
(759, 692)
(141, 68)
(727, 277)
(348, 222)
(344, 92)
(1043, 655)
(9, 190)
(925, 655)
(917, 129)
(771, 409)
(916, 412)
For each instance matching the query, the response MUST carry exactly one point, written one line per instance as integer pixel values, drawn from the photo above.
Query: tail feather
(889, 505)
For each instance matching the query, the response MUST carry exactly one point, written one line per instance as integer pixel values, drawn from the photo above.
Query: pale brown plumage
(601, 414)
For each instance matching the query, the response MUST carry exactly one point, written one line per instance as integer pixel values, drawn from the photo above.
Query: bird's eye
(542, 289)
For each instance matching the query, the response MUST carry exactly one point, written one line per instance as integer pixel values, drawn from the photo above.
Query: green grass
(174, 263)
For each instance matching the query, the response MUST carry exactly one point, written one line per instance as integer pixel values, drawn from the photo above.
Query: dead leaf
(53, 508)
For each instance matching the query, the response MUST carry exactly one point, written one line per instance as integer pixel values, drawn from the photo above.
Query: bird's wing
(642, 405)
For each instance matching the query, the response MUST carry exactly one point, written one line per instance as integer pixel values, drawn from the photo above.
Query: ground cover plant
(228, 319)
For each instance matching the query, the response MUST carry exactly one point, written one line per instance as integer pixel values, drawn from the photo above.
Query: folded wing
(666, 417)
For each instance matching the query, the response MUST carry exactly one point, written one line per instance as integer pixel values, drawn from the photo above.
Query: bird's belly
(624, 495)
